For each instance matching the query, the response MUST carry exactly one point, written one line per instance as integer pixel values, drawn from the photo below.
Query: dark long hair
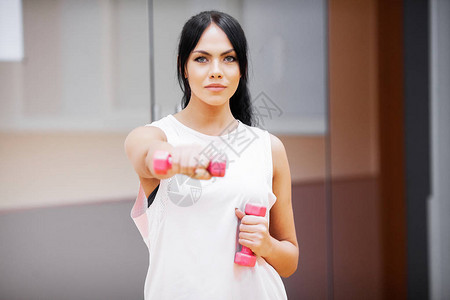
(240, 102)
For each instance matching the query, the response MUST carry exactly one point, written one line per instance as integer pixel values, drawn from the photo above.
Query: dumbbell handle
(162, 162)
(246, 257)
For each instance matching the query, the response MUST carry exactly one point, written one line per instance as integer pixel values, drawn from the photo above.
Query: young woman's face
(212, 68)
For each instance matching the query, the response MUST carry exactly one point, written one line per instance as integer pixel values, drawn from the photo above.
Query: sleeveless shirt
(191, 229)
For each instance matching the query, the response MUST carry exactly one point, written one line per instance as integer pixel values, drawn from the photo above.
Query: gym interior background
(360, 97)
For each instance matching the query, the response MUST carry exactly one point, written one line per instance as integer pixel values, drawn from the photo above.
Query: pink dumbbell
(246, 257)
(162, 161)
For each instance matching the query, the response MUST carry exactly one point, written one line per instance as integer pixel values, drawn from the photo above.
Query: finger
(247, 243)
(201, 162)
(198, 170)
(247, 228)
(202, 174)
(175, 168)
(239, 213)
(190, 171)
(188, 166)
(184, 164)
(248, 236)
(192, 162)
(257, 228)
(176, 161)
(253, 220)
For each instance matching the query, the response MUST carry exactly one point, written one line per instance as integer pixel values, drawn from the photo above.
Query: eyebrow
(206, 53)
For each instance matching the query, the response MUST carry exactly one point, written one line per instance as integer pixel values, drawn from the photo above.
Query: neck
(205, 118)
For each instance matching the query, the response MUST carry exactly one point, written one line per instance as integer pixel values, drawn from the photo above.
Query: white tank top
(191, 228)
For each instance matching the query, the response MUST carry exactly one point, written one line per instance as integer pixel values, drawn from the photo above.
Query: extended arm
(140, 145)
(143, 142)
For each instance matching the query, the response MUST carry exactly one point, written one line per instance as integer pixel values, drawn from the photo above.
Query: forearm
(140, 146)
(283, 257)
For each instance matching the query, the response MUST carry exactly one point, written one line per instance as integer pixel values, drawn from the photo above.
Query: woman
(196, 223)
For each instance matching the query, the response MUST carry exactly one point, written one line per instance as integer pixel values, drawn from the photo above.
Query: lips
(215, 87)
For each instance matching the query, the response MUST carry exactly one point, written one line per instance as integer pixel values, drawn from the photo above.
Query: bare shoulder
(279, 156)
(277, 144)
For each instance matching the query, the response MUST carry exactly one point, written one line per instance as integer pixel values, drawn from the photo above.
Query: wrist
(270, 248)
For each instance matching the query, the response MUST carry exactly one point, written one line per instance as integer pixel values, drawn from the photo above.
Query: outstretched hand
(187, 160)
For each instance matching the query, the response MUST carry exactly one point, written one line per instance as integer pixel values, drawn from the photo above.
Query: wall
(439, 204)
(75, 168)
(354, 237)
(66, 108)
(41, 94)
(48, 169)
(85, 68)
(45, 165)
(353, 88)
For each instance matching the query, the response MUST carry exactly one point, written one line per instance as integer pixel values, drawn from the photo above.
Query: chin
(215, 100)
(217, 103)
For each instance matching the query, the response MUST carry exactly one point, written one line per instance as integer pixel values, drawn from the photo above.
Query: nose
(216, 71)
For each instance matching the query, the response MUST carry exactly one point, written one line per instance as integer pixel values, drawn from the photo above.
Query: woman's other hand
(254, 234)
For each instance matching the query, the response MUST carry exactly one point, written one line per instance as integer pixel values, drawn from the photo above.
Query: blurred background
(356, 90)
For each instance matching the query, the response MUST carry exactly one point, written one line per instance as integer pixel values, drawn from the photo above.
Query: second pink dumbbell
(246, 257)
(162, 162)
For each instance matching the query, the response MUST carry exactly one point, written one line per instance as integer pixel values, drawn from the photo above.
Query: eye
(200, 59)
(230, 59)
